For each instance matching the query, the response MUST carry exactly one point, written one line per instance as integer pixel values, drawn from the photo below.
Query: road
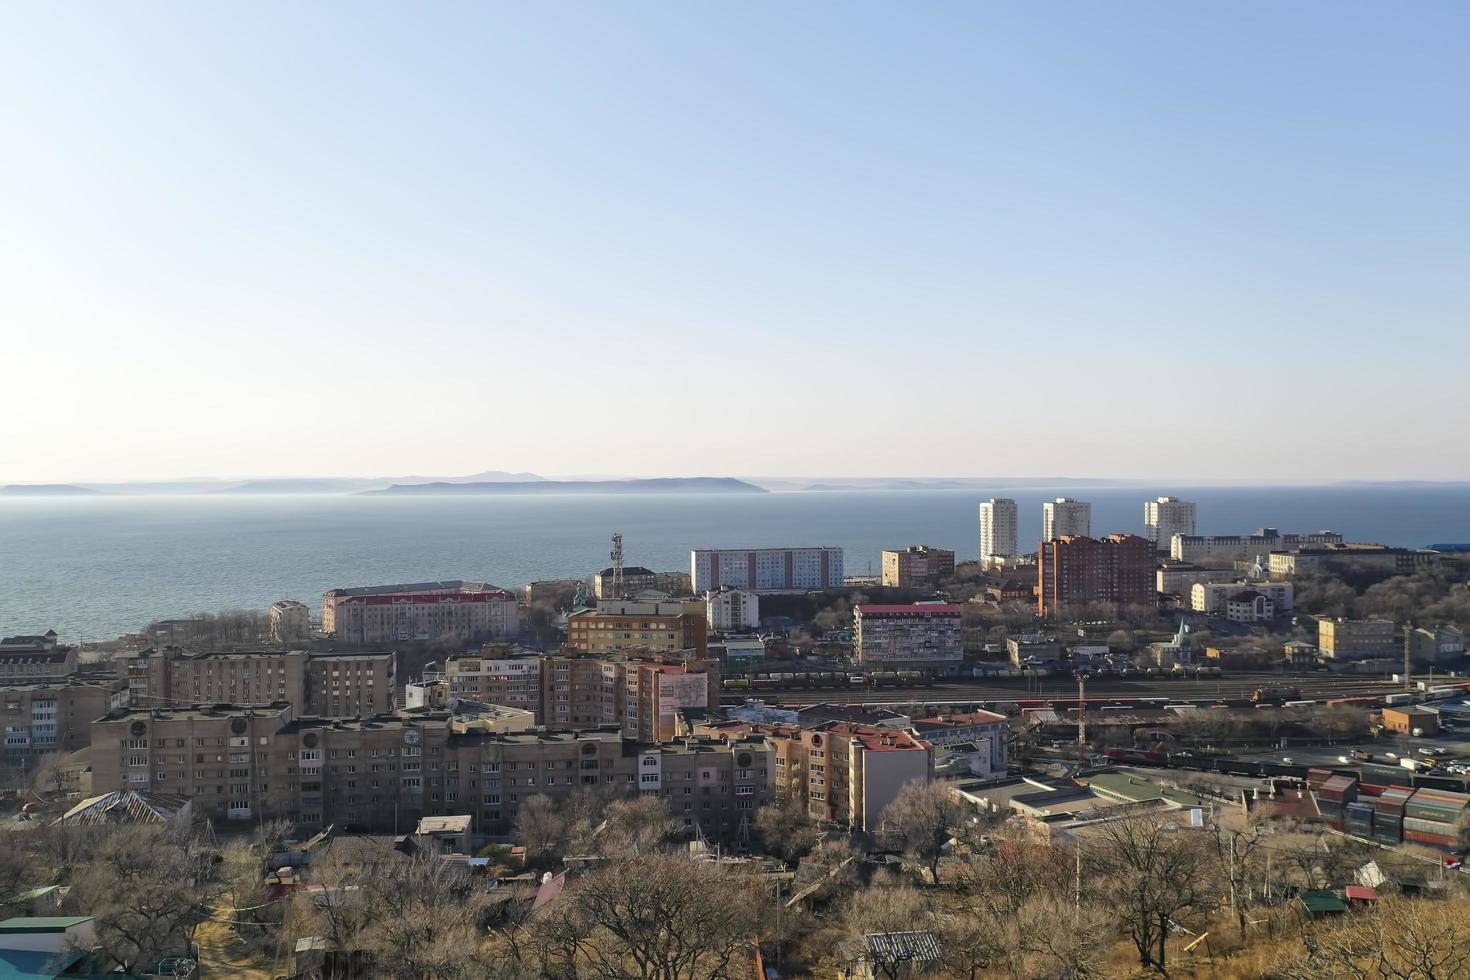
(1232, 687)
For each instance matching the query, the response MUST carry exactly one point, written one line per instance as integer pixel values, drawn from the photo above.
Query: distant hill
(790, 483)
(47, 490)
(695, 484)
(302, 485)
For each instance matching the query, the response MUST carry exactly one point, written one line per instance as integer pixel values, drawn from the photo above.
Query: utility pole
(1408, 655)
(1077, 882)
(1081, 719)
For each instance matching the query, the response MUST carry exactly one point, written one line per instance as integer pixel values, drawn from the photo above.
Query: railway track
(957, 691)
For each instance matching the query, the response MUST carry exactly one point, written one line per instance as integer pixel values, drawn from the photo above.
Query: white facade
(1211, 597)
(999, 539)
(1245, 547)
(1165, 517)
(1250, 606)
(732, 610)
(290, 622)
(766, 569)
(1065, 516)
(473, 611)
(1180, 580)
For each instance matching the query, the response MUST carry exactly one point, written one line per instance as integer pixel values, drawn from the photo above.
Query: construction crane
(617, 565)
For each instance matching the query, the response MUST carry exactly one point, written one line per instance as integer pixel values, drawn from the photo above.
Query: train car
(1297, 704)
(1236, 767)
(1137, 757)
(735, 683)
(1276, 694)
(1394, 699)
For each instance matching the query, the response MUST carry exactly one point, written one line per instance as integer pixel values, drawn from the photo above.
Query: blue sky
(1119, 240)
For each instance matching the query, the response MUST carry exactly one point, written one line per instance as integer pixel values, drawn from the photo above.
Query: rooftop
(126, 806)
(447, 585)
(926, 608)
(41, 923)
(273, 710)
(960, 720)
(457, 824)
(853, 713)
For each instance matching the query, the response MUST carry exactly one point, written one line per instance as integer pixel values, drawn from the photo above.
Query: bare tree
(542, 829)
(641, 825)
(657, 917)
(786, 831)
(921, 820)
(878, 910)
(145, 888)
(1151, 872)
(1400, 939)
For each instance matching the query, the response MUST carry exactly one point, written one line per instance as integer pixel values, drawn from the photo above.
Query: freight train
(799, 680)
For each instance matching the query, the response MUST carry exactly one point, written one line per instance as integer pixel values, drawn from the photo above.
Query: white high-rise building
(731, 610)
(998, 534)
(1165, 517)
(1065, 516)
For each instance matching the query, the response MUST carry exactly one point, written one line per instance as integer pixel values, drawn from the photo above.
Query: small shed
(1360, 896)
(1320, 903)
(903, 954)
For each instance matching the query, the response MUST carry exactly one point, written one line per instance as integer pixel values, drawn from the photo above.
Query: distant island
(46, 490)
(693, 484)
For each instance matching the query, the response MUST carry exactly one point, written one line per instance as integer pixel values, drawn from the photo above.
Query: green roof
(42, 923)
(1321, 902)
(1135, 789)
(35, 893)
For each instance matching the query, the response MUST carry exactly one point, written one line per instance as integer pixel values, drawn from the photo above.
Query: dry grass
(222, 955)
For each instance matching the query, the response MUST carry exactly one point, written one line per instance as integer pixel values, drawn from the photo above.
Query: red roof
(925, 607)
(426, 598)
(1359, 893)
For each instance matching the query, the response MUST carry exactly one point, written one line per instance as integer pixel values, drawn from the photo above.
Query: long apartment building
(919, 636)
(656, 626)
(640, 690)
(839, 772)
(1351, 558)
(39, 657)
(471, 611)
(1245, 547)
(1117, 570)
(328, 684)
(386, 772)
(766, 569)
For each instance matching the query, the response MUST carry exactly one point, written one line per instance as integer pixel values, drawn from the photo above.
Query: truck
(1276, 694)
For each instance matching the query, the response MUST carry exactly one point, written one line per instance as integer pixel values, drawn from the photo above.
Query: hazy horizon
(1000, 481)
(1210, 243)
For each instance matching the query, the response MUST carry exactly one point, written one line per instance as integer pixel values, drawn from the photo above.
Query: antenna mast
(617, 566)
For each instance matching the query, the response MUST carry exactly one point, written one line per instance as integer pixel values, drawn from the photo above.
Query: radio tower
(617, 566)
